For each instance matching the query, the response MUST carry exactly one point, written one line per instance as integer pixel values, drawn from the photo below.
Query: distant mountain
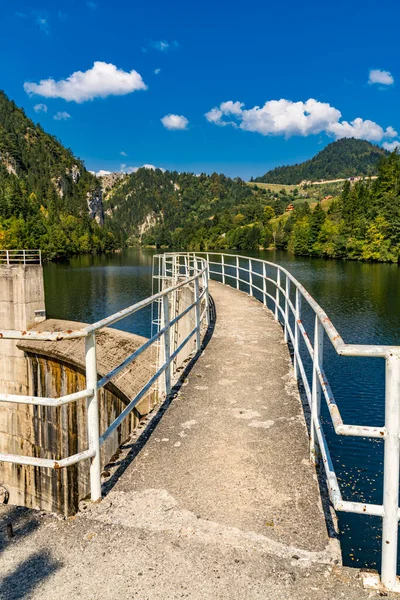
(48, 199)
(344, 158)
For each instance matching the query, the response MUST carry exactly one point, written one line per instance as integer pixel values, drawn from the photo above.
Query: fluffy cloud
(157, 71)
(40, 108)
(361, 130)
(391, 146)
(175, 122)
(126, 169)
(102, 80)
(62, 116)
(287, 118)
(122, 153)
(379, 76)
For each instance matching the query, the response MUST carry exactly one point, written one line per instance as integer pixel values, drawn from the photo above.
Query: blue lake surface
(360, 298)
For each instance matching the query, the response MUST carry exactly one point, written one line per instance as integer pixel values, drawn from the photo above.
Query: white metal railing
(287, 294)
(175, 273)
(20, 257)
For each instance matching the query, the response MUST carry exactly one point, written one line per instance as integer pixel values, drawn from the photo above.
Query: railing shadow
(136, 447)
(16, 524)
(28, 575)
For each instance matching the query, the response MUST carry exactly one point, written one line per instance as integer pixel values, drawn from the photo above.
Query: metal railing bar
(340, 346)
(121, 417)
(52, 336)
(47, 463)
(337, 421)
(104, 380)
(40, 401)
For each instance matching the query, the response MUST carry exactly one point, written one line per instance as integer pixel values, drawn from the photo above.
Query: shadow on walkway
(27, 576)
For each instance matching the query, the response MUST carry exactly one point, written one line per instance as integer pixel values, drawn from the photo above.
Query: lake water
(360, 298)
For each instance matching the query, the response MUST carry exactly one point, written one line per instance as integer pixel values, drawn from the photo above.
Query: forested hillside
(344, 158)
(48, 199)
(363, 223)
(185, 211)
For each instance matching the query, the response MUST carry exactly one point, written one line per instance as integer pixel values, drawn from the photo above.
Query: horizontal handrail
(379, 351)
(11, 257)
(58, 336)
(41, 401)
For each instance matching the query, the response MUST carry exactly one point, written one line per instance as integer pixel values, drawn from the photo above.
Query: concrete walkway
(219, 503)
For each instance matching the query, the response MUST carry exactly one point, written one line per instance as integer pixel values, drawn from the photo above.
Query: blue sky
(125, 84)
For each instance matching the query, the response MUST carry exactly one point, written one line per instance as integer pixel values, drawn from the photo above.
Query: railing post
(197, 311)
(278, 284)
(223, 268)
(206, 278)
(24, 256)
(316, 388)
(8, 257)
(93, 416)
(265, 284)
(287, 293)
(391, 473)
(250, 277)
(167, 343)
(237, 273)
(296, 333)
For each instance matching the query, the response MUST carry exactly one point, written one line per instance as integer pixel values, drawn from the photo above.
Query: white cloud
(160, 45)
(157, 71)
(379, 76)
(102, 80)
(127, 169)
(40, 108)
(391, 145)
(43, 24)
(62, 116)
(175, 122)
(122, 153)
(101, 173)
(361, 130)
(287, 118)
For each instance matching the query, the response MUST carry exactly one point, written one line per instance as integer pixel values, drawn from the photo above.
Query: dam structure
(193, 463)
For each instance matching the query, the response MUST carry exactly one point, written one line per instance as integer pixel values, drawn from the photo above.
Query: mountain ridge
(341, 159)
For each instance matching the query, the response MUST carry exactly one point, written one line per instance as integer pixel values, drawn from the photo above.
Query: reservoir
(361, 299)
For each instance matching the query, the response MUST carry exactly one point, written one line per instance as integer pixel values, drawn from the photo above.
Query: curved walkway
(219, 503)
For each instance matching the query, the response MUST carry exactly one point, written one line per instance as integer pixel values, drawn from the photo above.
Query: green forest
(48, 200)
(362, 224)
(341, 159)
(44, 191)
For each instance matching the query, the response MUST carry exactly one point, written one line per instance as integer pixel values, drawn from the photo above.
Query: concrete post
(21, 306)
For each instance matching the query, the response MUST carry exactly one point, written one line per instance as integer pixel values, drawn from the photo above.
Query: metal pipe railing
(194, 276)
(18, 257)
(230, 267)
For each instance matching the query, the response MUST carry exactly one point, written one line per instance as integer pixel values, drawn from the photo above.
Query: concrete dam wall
(56, 369)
